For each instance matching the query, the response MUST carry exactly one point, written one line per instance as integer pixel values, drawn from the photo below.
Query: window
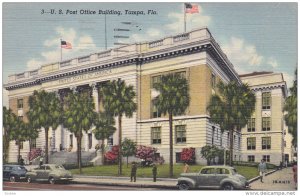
(251, 125)
(71, 140)
(90, 140)
(156, 135)
(33, 143)
(181, 74)
(178, 157)
(239, 142)
(20, 103)
(266, 123)
(251, 158)
(155, 112)
(213, 81)
(110, 141)
(213, 135)
(221, 139)
(266, 158)
(208, 171)
(222, 171)
(266, 100)
(180, 133)
(228, 140)
(20, 118)
(251, 143)
(266, 143)
(155, 80)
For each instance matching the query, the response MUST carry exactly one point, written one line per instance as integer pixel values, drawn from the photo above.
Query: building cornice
(138, 58)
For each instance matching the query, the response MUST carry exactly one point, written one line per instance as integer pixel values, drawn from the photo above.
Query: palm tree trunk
(120, 148)
(19, 152)
(77, 138)
(79, 154)
(231, 147)
(46, 146)
(5, 146)
(171, 145)
(102, 152)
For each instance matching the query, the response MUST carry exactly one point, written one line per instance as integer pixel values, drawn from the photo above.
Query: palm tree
(173, 100)
(9, 125)
(20, 134)
(104, 128)
(79, 116)
(44, 112)
(290, 107)
(231, 108)
(119, 100)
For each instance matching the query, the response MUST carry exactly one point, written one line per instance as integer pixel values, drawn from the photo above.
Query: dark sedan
(14, 172)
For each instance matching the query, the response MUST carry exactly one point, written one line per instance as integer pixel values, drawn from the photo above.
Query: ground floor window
(251, 143)
(178, 157)
(266, 158)
(90, 140)
(251, 158)
(110, 141)
(33, 143)
(180, 133)
(156, 135)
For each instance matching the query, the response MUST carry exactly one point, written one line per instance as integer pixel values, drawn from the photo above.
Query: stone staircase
(70, 157)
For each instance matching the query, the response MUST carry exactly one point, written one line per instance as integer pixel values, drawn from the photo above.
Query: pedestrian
(262, 169)
(186, 168)
(41, 160)
(133, 172)
(295, 173)
(154, 172)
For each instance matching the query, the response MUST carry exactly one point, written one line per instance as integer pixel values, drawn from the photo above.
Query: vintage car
(213, 177)
(14, 172)
(49, 172)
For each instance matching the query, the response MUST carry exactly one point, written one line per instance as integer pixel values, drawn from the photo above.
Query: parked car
(213, 177)
(49, 172)
(14, 172)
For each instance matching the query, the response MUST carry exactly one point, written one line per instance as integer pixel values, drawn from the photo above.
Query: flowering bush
(145, 152)
(34, 153)
(188, 155)
(160, 160)
(112, 156)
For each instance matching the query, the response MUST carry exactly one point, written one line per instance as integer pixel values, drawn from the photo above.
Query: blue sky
(255, 36)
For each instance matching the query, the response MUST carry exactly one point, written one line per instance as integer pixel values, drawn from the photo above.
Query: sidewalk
(166, 183)
(281, 180)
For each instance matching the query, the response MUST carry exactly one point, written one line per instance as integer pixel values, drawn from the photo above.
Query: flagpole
(60, 50)
(105, 32)
(184, 16)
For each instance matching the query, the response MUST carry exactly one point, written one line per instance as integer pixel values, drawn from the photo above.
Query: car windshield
(59, 167)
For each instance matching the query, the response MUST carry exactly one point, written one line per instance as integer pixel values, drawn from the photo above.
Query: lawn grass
(162, 170)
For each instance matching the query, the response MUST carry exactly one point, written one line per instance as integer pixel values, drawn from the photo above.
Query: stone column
(95, 96)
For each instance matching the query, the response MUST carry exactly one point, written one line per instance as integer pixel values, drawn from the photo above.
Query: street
(24, 186)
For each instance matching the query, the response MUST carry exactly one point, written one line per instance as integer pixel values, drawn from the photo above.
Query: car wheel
(29, 179)
(51, 180)
(12, 178)
(227, 186)
(183, 186)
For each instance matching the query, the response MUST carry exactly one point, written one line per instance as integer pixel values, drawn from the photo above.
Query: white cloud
(52, 50)
(241, 53)
(175, 26)
(273, 62)
(151, 34)
(192, 21)
(288, 78)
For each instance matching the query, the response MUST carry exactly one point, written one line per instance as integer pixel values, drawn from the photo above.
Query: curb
(123, 178)
(125, 184)
(258, 177)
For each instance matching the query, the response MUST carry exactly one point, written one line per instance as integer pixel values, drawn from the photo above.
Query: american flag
(191, 9)
(66, 45)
